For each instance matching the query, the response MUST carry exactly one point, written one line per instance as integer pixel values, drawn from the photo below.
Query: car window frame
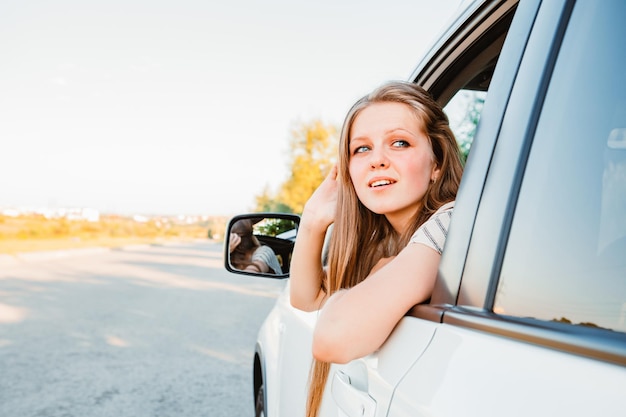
(457, 49)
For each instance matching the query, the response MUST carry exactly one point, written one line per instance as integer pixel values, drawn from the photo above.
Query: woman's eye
(400, 144)
(360, 149)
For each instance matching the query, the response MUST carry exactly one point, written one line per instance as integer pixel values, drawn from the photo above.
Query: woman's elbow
(330, 348)
(300, 304)
(302, 307)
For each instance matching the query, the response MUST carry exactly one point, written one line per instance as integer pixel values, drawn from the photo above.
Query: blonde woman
(390, 198)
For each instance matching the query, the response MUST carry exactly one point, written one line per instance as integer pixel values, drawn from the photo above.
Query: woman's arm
(267, 258)
(356, 322)
(307, 272)
(257, 266)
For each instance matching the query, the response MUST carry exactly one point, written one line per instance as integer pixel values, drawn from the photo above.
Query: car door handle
(350, 400)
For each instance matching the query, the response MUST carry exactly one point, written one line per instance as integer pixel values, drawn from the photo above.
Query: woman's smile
(381, 182)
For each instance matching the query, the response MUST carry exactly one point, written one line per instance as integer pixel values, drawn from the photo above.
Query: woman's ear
(434, 175)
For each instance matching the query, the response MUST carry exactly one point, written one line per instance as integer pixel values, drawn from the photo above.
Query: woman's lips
(379, 182)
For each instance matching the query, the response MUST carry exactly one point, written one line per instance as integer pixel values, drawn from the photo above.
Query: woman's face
(391, 161)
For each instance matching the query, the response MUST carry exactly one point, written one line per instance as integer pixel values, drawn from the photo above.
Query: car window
(464, 110)
(565, 259)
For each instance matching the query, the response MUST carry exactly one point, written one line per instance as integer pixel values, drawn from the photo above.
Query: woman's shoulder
(443, 214)
(263, 249)
(448, 207)
(434, 231)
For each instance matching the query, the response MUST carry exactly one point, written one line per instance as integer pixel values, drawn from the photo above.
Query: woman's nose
(378, 159)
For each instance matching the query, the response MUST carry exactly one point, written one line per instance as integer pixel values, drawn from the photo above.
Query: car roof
(467, 7)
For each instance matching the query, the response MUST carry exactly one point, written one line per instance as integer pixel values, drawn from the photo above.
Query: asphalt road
(140, 331)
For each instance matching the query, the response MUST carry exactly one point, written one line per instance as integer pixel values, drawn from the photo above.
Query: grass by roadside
(30, 233)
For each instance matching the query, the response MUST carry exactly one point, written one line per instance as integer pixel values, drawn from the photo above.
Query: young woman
(390, 198)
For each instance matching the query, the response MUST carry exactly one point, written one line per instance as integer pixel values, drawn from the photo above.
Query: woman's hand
(233, 242)
(321, 206)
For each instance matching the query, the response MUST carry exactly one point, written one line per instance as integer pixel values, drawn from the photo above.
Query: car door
(534, 317)
(464, 59)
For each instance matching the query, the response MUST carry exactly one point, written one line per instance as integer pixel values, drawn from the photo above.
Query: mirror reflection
(261, 244)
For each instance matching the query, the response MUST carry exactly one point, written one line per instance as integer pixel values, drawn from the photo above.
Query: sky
(184, 107)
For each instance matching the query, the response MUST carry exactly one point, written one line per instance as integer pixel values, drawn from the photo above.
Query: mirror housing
(260, 244)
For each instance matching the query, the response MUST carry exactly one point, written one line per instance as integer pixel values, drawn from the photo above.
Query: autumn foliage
(312, 152)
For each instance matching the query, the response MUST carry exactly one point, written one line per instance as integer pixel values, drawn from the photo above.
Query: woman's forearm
(355, 322)
(307, 271)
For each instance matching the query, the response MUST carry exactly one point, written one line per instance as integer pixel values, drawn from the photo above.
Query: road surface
(139, 331)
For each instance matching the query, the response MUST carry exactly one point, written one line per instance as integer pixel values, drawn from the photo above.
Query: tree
(265, 202)
(312, 152)
(313, 148)
(467, 127)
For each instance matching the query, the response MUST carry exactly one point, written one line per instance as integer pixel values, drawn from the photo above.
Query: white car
(528, 316)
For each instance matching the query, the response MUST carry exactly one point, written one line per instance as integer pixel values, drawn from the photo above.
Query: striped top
(266, 254)
(434, 231)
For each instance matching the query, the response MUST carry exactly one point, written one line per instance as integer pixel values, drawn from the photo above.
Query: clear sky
(184, 106)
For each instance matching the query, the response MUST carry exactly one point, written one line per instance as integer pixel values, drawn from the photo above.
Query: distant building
(89, 214)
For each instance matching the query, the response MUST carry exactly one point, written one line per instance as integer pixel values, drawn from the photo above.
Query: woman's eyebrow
(358, 139)
(364, 138)
(399, 129)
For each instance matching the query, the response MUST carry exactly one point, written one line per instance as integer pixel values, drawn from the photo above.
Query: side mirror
(260, 244)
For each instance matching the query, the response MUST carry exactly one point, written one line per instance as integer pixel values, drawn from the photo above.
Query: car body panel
(377, 375)
(286, 329)
(507, 378)
(284, 344)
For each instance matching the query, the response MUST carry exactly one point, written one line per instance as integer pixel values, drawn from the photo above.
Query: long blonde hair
(361, 237)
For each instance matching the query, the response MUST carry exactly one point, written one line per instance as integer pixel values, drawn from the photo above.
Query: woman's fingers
(332, 174)
(234, 241)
